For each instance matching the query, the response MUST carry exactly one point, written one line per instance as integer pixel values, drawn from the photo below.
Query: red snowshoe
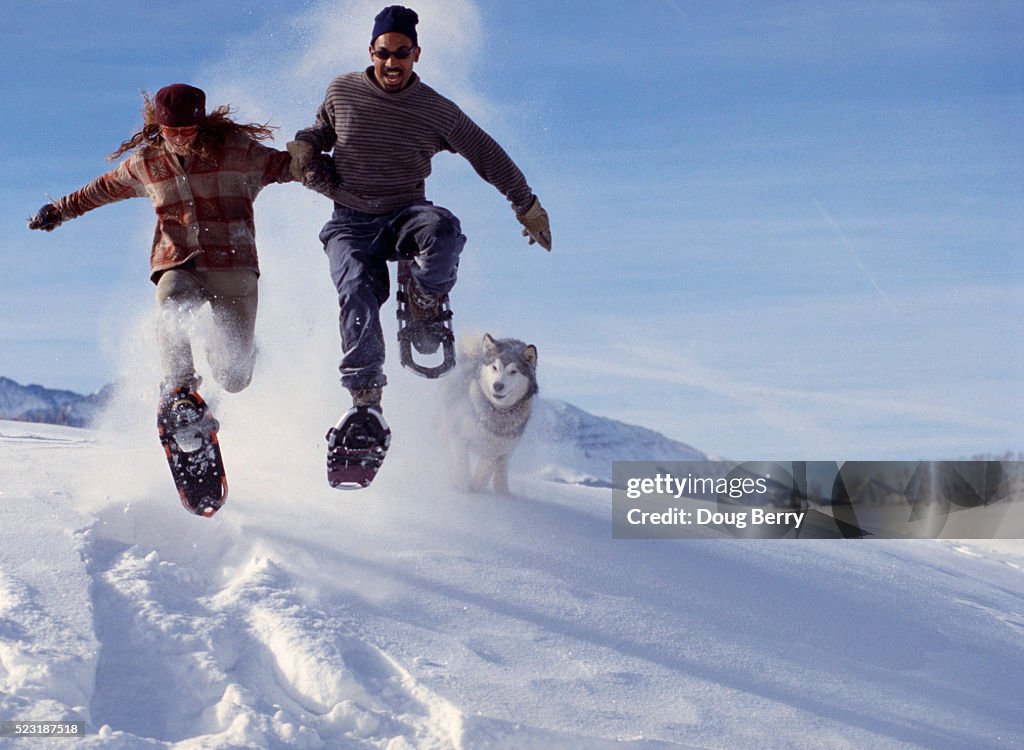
(188, 433)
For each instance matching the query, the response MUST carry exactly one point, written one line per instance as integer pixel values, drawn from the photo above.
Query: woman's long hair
(213, 130)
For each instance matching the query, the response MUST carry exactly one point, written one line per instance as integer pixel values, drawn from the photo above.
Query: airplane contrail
(857, 259)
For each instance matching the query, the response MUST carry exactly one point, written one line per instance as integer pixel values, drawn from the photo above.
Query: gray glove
(536, 223)
(302, 153)
(47, 218)
(319, 175)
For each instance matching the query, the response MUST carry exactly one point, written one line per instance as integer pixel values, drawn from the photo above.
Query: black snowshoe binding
(426, 336)
(188, 434)
(356, 448)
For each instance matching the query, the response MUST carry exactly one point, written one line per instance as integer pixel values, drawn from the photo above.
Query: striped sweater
(383, 143)
(203, 209)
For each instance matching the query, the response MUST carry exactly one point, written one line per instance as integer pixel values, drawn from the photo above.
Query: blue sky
(783, 230)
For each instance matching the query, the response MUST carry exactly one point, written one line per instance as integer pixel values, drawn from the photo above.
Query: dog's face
(506, 374)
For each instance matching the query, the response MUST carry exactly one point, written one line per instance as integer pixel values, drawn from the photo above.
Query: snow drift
(408, 616)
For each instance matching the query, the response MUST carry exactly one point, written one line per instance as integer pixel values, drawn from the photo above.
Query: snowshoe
(425, 336)
(188, 434)
(356, 448)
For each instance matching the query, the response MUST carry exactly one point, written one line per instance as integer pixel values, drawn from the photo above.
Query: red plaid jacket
(203, 210)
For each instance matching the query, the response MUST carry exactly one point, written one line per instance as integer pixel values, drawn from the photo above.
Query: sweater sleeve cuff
(524, 206)
(66, 211)
(520, 206)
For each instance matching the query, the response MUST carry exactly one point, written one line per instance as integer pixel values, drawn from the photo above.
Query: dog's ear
(530, 355)
(490, 346)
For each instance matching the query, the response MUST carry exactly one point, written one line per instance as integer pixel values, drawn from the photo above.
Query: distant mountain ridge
(35, 403)
(563, 443)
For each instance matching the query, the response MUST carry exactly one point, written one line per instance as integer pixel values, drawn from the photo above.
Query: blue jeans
(359, 246)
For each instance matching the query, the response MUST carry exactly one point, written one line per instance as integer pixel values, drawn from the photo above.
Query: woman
(202, 172)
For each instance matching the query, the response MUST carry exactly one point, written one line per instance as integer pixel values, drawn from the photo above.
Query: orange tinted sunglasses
(186, 132)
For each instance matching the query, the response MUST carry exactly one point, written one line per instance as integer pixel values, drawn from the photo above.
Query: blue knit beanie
(395, 18)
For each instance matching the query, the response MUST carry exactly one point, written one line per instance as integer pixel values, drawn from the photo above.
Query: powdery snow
(410, 616)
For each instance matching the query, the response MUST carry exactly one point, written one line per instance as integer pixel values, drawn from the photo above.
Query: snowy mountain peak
(35, 403)
(566, 444)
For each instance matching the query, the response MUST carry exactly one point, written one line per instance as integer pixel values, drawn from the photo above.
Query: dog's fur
(487, 404)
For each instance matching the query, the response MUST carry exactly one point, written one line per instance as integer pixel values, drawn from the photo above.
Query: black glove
(47, 218)
(318, 174)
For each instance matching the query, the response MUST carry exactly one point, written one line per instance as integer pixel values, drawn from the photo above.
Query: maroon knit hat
(180, 105)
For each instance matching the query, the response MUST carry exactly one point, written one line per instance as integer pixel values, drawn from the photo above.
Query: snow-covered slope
(410, 616)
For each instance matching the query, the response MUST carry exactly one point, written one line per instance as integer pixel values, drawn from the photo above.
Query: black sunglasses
(401, 53)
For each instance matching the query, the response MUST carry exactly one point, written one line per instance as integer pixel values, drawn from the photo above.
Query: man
(384, 126)
(202, 172)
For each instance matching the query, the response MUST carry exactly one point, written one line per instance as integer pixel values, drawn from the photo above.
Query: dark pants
(359, 246)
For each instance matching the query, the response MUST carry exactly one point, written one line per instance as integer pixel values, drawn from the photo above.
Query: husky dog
(487, 404)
